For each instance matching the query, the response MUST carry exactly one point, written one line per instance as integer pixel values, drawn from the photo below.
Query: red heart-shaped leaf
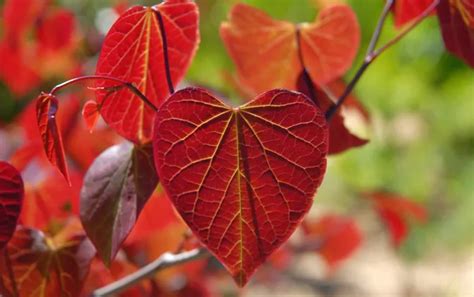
(11, 200)
(133, 51)
(46, 109)
(266, 51)
(242, 178)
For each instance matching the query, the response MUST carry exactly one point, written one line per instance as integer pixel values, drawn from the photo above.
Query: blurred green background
(421, 100)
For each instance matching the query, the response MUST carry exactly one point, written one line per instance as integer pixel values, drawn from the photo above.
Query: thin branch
(121, 82)
(164, 261)
(164, 41)
(378, 29)
(373, 53)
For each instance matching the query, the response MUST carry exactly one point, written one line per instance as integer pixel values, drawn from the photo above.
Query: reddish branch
(164, 40)
(373, 53)
(120, 82)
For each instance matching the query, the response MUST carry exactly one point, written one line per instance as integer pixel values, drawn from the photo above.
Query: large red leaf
(116, 187)
(338, 237)
(38, 265)
(457, 26)
(340, 138)
(46, 109)
(265, 51)
(406, 11)
(242, 178)
(11, 200)
(133, 51)
(397, 212)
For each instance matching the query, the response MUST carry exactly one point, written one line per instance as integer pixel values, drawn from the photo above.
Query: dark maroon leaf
(116, 187)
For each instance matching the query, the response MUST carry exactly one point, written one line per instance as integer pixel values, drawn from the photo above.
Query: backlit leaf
(242, 178)
(19, 16)
(457, 27)
(19, 75)
(330, 44)
(397, 212)
(46, 266)
(55, 31)
(265, 51)
(406, 11)
(338, 237)
(133, 51)
(51, 201)
(11, 200)
(90, 113)
(46, 109)
(116, 187)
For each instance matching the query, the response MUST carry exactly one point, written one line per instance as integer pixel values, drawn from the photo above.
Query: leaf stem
(373, 53)
(126, 84)
(164, 261)
(164, 40)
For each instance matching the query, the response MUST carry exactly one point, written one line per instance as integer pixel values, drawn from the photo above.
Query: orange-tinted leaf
(116, 187)
(46, 109)
(92, 145)
(330, 44)
(25, 154)
(133, 51)
(149, 222)
(90, 113)
(397, 212)
(51, 201)
(457, 27)
(242, 178)
(340, 138)
(406, 11)
(46, 266)
(11, 200)
(19, 75)
(265, 51)
(339, 237)
(155, 234)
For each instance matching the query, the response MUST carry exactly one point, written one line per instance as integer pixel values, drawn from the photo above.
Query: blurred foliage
(421, 100)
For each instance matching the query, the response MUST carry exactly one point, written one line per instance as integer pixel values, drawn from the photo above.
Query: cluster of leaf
(241, 178)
